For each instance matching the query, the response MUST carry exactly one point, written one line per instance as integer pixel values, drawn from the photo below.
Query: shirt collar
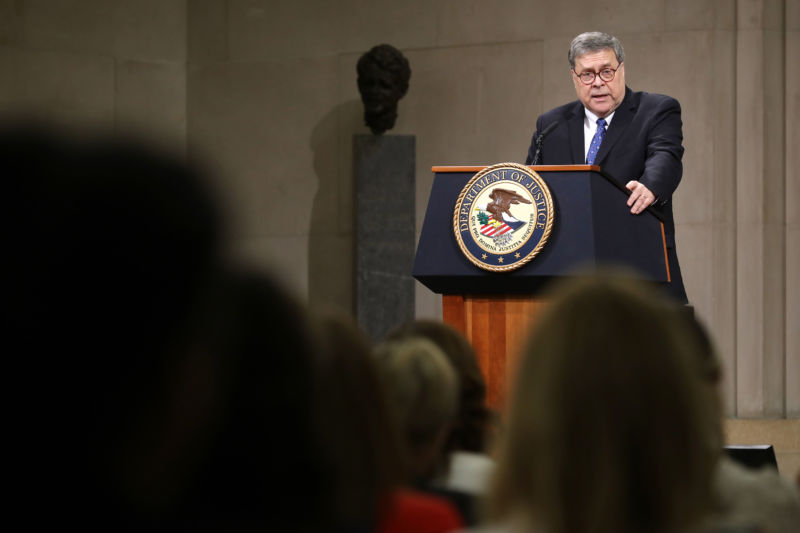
(592, 118)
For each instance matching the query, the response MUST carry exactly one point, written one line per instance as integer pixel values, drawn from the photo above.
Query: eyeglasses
(607, 74)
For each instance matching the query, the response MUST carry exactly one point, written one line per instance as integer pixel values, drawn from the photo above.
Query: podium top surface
(454, 169)
(543, 168)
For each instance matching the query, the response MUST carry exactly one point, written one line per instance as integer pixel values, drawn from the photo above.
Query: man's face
(600, 97)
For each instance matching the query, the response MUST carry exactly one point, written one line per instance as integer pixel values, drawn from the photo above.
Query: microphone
(540, 140)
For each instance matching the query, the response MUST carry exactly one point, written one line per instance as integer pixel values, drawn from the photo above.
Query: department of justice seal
(503, 217)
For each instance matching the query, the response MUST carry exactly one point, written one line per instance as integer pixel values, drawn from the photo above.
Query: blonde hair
(609, 427)
(422, 385)
(473, 421)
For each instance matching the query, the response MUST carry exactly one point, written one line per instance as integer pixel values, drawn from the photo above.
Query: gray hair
(422, 385)
(593, 41)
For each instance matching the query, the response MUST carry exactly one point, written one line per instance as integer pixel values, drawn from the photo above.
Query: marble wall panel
(792, 17)
(749, 14)
(10, 22)
(348, 119)
(774, 14)
(284, 257)
(145, 29)
(258, 119)
(557, 86)
(476, 21)
(331, 270)
(408, 24)
(792, 206)
(569, 19)
(625, 16)
(694, 246)
(761, 222)
(774, 343)
(151, 98)
(268, 29)
(774, 216)
(331, 245)
(272, 127)
(750, 322)
(67, 88)
(427, 304)
(682, 15)
(206, 31)
(721, 316)
(749, 212)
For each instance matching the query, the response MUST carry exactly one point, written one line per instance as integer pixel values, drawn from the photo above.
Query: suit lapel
(575, 123)
(622, 118)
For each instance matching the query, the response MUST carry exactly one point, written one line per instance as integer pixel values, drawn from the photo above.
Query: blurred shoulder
(759, 496)
(514, 524)
(410, 510)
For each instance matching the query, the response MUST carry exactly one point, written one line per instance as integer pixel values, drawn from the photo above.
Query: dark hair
(158, 389)
(363, 447)
(261, 434)
(115, 259)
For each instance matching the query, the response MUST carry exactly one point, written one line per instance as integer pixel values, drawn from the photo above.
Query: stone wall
(97, 63)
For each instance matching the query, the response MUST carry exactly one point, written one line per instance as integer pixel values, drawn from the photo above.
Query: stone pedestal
(384, 168)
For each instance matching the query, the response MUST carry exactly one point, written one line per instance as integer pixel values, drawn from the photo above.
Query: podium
(593, 228)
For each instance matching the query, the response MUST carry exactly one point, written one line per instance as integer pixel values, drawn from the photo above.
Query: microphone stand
(539, 142)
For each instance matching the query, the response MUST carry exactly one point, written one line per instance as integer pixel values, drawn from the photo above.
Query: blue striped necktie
(596, 140)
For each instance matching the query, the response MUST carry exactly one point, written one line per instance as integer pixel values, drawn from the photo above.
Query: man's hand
(640, 197)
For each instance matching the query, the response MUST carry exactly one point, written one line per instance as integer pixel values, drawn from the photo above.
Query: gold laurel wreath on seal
(547, 229)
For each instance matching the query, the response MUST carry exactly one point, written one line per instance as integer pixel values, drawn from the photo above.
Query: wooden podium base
(497, 327)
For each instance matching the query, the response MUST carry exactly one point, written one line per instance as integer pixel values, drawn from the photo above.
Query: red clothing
(410, 511)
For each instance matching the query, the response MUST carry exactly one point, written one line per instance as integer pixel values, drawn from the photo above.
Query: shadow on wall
(331, 238)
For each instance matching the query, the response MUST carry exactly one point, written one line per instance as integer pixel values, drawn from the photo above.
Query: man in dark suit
(634, 136)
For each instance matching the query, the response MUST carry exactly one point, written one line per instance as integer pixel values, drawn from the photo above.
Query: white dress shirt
(589, 129)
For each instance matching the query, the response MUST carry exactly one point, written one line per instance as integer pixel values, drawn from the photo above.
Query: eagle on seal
(501, 202)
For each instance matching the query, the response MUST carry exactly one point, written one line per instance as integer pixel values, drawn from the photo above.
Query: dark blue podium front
(593, 228)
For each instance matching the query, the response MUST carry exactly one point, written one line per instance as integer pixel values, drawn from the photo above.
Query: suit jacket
(643, 142)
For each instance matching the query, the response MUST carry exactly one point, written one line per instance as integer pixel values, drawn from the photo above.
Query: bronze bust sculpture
(383, 75)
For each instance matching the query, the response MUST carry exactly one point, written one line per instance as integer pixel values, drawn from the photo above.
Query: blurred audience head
(709, 369)
(609, 425)
(472, 425)
(423, 390)
(157, 387)
(115, 259)
(262, 464)
(117, 249)
(363, 447)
